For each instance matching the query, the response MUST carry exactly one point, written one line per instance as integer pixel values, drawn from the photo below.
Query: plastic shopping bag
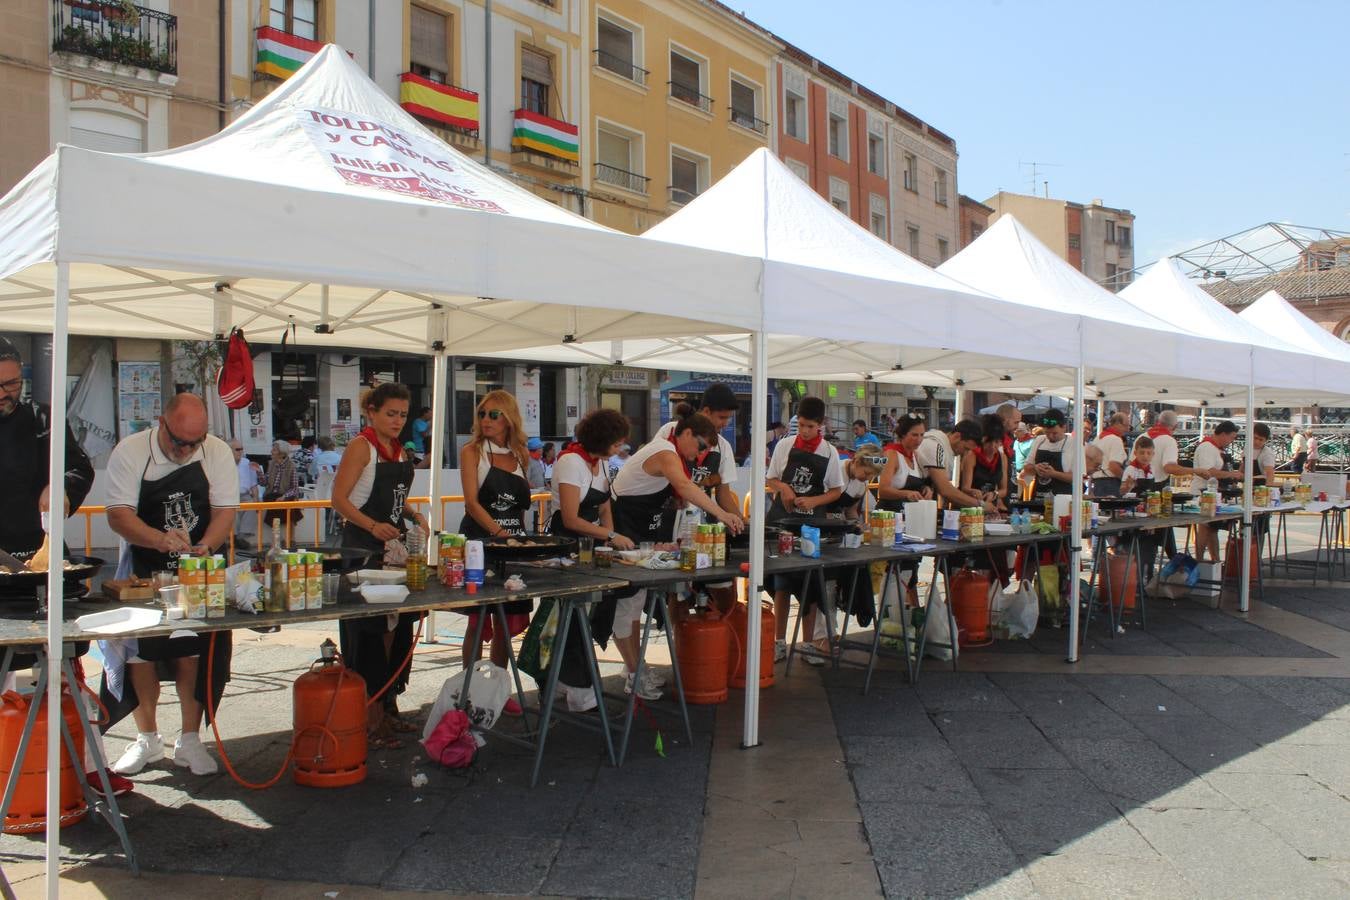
(937, 627)
(488, 692)
(536, 650)
(1021, 610)
(451, 742)
(1050, 602)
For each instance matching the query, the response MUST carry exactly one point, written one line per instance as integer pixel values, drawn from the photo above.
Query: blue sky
(1202, 118)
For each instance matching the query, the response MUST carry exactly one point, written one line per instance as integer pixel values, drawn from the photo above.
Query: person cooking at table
(902, 479)
(582, 485)
(495, 466)
(853, 505)
(1051, 459)
(806, 475)
(1138, 476)
(715, 471)
(1011, 417)
(172, 490)
(935, 455)
(650, 488)
(1263, 471)
(1106, 475)
(1210, 462)
(369, 492)
(1167, 462)
(984, 467)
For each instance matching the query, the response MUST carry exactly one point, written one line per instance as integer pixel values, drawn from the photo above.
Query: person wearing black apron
(804, 474)
(369, 492)
(902, 479)
(1105, 477)
(1051, 459)
(496, 498)
(651, 487)
(185, 488)
(852, 505)
(581, 482)
(984, 468)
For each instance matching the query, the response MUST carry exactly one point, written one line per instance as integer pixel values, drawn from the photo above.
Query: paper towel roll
(921, 519)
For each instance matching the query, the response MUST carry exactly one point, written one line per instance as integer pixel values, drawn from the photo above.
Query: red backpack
(235, 379)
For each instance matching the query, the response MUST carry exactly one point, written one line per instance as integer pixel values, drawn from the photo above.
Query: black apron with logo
(181, 499)
(1056, 460)
(706, 472)
(574, 671)
(647, 517)
(804, 472)
(506, 496)
(362, 640)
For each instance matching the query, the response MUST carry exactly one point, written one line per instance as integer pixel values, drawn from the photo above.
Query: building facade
(974, 219)
(1096, 239)
(679, 94)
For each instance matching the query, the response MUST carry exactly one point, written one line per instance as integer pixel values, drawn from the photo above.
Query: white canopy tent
(328, 206)
(1278, 317)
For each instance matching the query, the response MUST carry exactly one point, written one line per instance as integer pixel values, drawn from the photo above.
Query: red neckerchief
(809, 446)
(1143, 467)
(1008, 445)
(987, 462)
(576, 448)
(688, 472)
(1106, 431)
(1209, 440)
(898, 448)
(1158, 431)
(369, 434)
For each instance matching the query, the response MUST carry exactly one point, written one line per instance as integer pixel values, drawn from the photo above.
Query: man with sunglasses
(173, 491)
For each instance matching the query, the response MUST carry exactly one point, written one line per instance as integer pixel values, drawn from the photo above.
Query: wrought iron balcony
(629, 181)
(748, 120)
(624, 68)
(117, 32)
(690, 95)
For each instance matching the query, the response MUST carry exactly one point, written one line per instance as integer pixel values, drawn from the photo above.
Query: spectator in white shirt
(1111, 444)
(1209, 463)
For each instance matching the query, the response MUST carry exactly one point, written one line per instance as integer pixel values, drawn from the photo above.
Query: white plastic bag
(938, 630)
(1021, 610)
(488, 692)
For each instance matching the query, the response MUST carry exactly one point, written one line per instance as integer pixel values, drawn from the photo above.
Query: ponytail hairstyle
(686, 419)
(378, 396)
(906, 424)
(515, 435)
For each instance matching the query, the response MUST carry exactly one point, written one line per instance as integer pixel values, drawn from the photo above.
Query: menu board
(139, 396)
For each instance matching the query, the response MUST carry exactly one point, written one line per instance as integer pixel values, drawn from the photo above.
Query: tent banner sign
(370, 153)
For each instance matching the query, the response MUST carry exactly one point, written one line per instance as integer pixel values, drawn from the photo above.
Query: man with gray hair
(1111, 445)
(1012, 417)
(25, 448)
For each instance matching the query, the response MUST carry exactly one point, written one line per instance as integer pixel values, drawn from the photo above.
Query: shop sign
(625, 377)
(741, 384)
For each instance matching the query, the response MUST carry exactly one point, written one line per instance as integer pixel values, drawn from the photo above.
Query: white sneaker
(779, 651)
(645, 690)
(653, 678)
(190, 752)
(810, 654)
(139, 753)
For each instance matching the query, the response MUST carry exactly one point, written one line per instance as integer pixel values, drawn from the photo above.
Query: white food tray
(379, 576)
(119, 621)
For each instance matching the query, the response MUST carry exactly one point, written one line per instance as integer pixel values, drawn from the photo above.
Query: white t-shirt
(1165, 453)
(1134, 475)
(633, 480)
(1207, 456)
(248, 476)
(1265, 459)
(570, 468)
(1065, 446)
(139, 458)
(834, 470)
(727, 467)
(903, 470)
(935, 452)
(1113, 451)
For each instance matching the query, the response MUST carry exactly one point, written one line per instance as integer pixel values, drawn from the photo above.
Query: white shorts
(628, 612)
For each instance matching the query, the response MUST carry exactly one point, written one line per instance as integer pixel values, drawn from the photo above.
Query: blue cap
(534, 444)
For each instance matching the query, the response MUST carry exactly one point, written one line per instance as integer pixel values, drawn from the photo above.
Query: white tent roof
(328, 203)
(837, 299)
(1278, 317)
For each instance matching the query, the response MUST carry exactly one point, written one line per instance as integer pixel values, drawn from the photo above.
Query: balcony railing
(681, 196)
(748, 120)
(116, 32)
(444, 104)
(624, 68)
(629, 181)
(687, 94)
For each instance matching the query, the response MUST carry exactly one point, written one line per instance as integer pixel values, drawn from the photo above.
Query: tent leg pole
(436, 453)
(56, 474)
(1076, 513)
(759, 439)
(1248, 467)
(1101, 411)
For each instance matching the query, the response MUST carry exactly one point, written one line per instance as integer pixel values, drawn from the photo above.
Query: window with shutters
(536, 80)
(1110, 231)
(745, 106)
(618, 159)
(297, 17)
(879, 226)
(913, 240)
(876, 154)
(838, 136)
(687, 80)
(794, 115)
(1123, 236)
(943, 250)
(940, 188)
(688, 175)
(911, 172)
(618, 50)
(839, 194)
(429, 53)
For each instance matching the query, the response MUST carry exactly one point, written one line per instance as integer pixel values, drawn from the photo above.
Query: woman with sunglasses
(653, 484)
(369, 491)
(496, 489)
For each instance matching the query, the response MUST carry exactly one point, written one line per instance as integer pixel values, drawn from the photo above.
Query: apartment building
(974, 219)
(113, 76)
(923, 190)
(1096, 239)
(680, 92)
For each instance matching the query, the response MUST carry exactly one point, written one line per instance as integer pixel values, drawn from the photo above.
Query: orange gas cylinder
(1232, 560)
(970, 603)
(739, 645)
(704, 646)
(1123, 571)
(329, 746)
(28, 811)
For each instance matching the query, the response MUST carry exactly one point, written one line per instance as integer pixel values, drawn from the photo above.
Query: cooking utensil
(13, 563)
(528, 546)
(80, 567)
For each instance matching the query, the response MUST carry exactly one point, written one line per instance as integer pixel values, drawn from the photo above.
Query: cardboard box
(1210, 585)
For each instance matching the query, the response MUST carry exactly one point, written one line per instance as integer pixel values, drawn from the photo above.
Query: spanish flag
(442, 103)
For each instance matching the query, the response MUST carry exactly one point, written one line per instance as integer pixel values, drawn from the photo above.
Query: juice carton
(295, 583)
(215, 587)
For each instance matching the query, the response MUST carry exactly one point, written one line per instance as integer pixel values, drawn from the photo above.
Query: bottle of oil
(277, 575)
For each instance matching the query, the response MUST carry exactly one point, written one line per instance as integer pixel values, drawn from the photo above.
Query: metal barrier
(542, 499)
